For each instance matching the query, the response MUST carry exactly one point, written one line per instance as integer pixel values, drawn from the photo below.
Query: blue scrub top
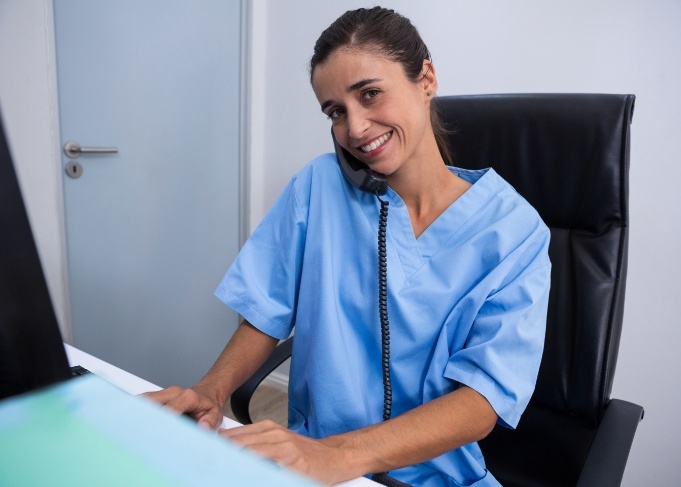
(467, 304)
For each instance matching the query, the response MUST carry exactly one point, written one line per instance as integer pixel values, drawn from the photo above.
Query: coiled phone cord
(383, 477)
(383, 310)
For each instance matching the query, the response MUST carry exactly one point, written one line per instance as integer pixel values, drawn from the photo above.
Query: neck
(428, 192)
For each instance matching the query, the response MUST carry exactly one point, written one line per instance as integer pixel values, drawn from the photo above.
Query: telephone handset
(358, 173)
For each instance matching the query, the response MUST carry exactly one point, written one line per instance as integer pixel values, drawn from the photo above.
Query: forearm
(245, 352)
(426, 432)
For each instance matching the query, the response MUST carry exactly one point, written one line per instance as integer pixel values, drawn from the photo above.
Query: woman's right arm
(245, 352)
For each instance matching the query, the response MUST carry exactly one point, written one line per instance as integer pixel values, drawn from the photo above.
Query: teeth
(376, 143)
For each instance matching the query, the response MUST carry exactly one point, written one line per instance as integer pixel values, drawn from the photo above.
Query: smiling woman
(467, 327)
(391, 35)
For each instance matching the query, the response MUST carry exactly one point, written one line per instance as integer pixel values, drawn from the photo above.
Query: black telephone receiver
(358, 173)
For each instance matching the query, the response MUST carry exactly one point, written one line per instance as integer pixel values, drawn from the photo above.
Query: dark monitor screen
(32, 353)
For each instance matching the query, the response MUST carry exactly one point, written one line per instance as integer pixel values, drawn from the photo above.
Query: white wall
(28, 100)
(495, 46)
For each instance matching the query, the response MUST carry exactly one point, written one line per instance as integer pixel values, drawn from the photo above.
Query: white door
(152, 228)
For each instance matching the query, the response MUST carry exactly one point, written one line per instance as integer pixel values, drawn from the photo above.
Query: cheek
(411, 123)
(338, 133)
(419, 118)
(406, 112)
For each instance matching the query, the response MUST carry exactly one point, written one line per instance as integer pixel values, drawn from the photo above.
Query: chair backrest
(568, 155)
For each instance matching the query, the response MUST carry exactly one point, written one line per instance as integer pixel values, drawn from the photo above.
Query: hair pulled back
(391, 34)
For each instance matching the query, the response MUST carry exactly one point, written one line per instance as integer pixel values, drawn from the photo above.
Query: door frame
(245, 122)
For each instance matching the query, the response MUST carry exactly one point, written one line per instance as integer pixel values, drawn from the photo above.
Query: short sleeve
(262, 283)
(503, 349)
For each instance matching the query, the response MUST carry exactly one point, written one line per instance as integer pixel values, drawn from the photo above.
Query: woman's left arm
(441, 425)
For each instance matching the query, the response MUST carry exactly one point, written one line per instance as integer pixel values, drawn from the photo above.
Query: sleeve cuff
(251, 314)
(490, 390)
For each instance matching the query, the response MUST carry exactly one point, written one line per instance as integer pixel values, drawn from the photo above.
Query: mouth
(376, 143)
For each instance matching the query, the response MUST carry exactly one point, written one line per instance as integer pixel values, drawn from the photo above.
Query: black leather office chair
(568, 155)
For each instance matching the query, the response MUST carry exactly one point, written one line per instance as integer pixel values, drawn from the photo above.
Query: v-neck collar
(413, 253)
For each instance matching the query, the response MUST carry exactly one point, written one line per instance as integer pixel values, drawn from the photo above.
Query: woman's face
(378, 114)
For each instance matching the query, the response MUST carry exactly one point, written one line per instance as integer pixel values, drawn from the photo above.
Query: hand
(196, 403)
(307, 456)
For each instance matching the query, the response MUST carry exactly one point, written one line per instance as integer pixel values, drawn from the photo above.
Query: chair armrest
(604, 465)
(241, 397)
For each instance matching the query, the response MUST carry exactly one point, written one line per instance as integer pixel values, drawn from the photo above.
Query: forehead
(345, 67)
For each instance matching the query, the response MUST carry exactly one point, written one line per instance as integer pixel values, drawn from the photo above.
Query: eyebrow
(353, 87)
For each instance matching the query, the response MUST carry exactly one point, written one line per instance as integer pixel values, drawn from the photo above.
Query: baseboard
(278, 381)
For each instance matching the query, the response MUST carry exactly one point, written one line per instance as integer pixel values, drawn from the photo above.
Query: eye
(335, 113)
(370, 94)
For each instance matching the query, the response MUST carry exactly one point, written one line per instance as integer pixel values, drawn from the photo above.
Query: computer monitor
(32, 352)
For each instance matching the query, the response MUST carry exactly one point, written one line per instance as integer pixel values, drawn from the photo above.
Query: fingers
(264, 426)
(210, 420)
(267, 439)
(164, 395)
(288, 449)
(176, 398)
(187, 401)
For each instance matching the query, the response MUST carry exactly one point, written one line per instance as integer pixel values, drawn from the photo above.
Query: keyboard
(77, 370)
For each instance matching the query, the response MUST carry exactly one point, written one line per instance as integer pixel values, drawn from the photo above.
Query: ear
(428, 79)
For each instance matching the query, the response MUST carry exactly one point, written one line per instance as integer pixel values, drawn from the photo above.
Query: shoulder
(488, 181)
(502, 214)
(322, 166)
(320, 178)
(322, 169)
(499, 199)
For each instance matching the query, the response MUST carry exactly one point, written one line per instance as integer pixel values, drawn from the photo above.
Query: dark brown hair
(389, 33)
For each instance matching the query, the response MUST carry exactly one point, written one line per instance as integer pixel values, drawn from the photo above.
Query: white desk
(135, 385)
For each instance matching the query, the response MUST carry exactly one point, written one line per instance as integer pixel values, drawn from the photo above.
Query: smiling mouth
(376, 143)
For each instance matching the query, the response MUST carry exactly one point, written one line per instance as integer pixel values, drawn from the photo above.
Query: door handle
(73, 150)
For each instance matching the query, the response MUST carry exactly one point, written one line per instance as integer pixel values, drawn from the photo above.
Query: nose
(357, 123)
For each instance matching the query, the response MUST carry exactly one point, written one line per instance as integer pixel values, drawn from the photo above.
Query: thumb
(210, 420)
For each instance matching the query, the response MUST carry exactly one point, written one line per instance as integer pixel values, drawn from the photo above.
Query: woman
(467, 285)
